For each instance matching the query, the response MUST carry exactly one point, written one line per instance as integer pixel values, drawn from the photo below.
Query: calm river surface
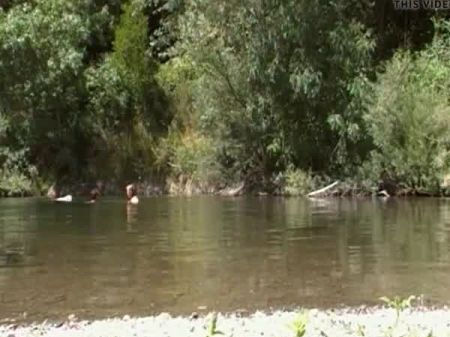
(179, 254)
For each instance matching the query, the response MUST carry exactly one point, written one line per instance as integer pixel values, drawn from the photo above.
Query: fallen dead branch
(323, 190)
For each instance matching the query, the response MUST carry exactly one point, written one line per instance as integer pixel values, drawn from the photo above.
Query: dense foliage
(269, 92)
(409, 116)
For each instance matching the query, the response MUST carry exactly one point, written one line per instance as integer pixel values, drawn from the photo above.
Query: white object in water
(134, 200)
(383, 194)
(66, 198)
(323, 190)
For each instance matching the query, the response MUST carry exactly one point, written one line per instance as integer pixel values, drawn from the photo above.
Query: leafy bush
(408, 116)
(194, 155)
(15, 173)
(297, 182)
(14, 184)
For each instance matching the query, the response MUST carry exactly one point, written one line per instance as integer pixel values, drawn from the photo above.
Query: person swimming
(66, 198)
(95, 192)
(131, 192)
(54, 195)
(94, 195)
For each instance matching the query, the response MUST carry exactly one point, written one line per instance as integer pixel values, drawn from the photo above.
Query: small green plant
(398, 303)
(298, 326)
(360, 330)
(212, 329)
(297, 182)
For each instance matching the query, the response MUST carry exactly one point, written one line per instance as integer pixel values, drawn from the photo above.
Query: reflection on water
(132, 212)
(176, 254)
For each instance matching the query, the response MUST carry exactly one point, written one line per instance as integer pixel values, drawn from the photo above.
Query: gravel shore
(376, 322)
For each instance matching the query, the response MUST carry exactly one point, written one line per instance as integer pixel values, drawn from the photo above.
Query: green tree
(129, 107)
(281, 80)
(41, 62)
(409, 117)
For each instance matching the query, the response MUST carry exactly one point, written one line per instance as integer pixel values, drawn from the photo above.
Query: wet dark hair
(95, 193)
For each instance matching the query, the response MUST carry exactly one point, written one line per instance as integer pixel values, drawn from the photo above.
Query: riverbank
(294, 185)
(374, 322)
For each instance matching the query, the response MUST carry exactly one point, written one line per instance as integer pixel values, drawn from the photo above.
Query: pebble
(374, 322)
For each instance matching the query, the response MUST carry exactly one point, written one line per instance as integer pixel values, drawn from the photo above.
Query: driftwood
(323, 190)
(232, 191)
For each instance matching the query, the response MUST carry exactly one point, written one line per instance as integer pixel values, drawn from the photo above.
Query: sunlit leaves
(276, 71)
(409, 117)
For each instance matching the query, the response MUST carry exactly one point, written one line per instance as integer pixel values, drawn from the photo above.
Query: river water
(181, 255)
